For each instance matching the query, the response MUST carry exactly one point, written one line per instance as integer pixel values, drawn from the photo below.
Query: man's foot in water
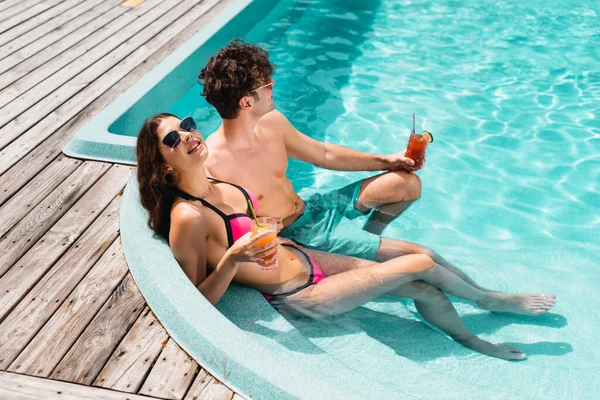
(503, 351)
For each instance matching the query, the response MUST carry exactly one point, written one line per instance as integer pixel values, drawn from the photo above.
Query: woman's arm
(188, 238)
(215, 285)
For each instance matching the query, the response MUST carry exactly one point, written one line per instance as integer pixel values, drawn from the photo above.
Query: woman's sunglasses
(173, 138)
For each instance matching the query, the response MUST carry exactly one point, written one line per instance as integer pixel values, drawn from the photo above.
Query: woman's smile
(195, 146)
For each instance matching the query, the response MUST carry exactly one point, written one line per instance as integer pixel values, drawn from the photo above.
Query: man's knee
(413, 186)
(424, 291)
(406, 185)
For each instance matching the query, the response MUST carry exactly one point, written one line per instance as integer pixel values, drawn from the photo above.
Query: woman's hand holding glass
(245, 249)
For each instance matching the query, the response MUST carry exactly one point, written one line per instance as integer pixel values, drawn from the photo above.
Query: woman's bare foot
(520, 303)
(503, 351)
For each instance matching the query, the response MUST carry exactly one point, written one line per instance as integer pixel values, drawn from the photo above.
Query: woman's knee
(414, 263)
(422, 262)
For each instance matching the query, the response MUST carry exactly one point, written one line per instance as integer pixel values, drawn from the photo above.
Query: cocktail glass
(266, 224)
(417, 143)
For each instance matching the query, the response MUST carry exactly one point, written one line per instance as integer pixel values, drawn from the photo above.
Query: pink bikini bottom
(316, 275)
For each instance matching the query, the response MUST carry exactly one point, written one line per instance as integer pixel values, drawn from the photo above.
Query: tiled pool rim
(253, 362)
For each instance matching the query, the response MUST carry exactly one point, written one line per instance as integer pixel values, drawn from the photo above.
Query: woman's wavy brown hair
(155, 178)
(233, 73)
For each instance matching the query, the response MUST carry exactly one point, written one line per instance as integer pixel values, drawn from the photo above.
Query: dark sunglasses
(173, 138)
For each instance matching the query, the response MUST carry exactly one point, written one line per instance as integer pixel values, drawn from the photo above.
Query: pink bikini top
(237, 225)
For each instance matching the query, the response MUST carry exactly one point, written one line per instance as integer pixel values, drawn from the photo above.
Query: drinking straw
(253, 214)
(413, 131)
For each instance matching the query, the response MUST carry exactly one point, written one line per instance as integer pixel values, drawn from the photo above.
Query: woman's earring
(170, 176)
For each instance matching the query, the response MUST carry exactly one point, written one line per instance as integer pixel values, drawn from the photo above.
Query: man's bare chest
(249, 167)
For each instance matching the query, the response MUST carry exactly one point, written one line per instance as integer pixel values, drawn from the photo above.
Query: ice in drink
(266, 225)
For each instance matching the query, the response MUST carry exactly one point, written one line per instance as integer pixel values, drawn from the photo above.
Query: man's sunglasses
(270, 83)
(173, 138)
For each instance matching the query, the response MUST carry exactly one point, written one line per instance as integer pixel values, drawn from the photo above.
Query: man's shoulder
(273, 115)
(217, 147)
(214, 139)
(275, 120)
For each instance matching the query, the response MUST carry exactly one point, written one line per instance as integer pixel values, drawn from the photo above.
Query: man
(252, 147)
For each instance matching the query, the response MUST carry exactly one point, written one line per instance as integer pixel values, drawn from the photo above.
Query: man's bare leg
(389, 194)
(436, 308)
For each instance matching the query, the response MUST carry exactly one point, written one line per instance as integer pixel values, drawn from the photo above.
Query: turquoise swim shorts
(330, 223)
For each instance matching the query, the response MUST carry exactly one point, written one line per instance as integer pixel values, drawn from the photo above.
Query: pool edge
(94, 141)
(227, 352)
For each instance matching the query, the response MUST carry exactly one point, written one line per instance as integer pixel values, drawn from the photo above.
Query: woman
(207, 224)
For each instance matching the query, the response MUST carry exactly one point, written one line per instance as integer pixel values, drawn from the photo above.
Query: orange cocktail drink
(417, 143)
(266, 224)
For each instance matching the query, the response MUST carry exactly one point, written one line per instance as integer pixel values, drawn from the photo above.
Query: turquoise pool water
(511, 91)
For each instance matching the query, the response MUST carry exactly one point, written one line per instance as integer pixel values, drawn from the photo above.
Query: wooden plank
(35, 191)
(72, 115)
(16, 9)
(130, 363)
(52, 74)
(30, 165)
(24, 235)
(38, 20)
(11, 184)
(16, 386)
(52, 31)
(25, 13)
(206, 387)
(171, 375)
(89, 354)
(57, 41)
(30, 315)
(69, 48)
(26, 273)
(28, 140)
(8, 3)
(55, 339)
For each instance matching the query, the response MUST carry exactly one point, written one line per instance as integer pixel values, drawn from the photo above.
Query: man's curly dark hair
(233, 73)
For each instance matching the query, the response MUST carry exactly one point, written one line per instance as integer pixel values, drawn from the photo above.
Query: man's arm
(331, 156)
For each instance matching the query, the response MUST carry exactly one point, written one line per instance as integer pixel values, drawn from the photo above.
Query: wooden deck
(73, 324)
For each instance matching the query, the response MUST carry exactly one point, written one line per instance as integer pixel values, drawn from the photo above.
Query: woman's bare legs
(450, 282)
(347, 290)
(392, 248)
(344, 291)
